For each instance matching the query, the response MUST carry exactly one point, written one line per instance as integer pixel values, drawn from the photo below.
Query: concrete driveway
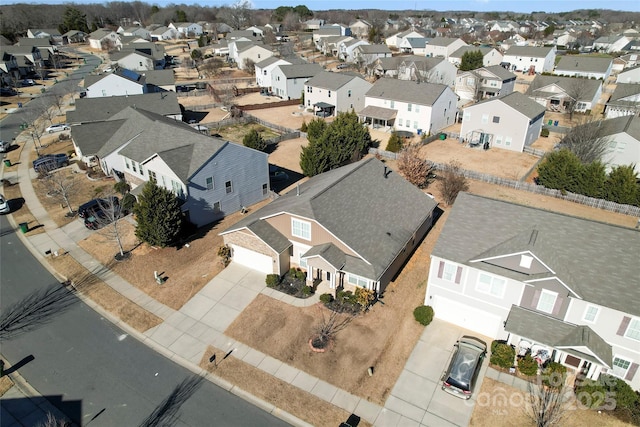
(417, 398)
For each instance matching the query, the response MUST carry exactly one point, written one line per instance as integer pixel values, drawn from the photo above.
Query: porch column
(594, 372)
(556, 357)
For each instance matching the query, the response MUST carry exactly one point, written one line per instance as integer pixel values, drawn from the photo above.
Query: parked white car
(4, 205)
(4, 146)
(57, 128)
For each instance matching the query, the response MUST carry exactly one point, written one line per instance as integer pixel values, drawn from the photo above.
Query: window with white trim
(507, 141)
(209, 182)
(547, 301)
(265, 189)
(417, 108)
(392, 104)
(485, 119)
(302, 262)
(590, 314)
(301, 229)
(216, 207)
(491, 285)
(408, 107)
(357, 280)
(620, 366)
(449, 272)
(228, 187)
(633, 330)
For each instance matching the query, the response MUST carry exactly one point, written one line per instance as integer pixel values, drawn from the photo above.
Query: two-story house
(346, 48)
(266, 66)
(287, 81)
(103, 108)
(541, 280)
(333, 226)
(443, 46)
(414, 45)
(530, 59)
(395, 40)
(409, 106)
(104, 39)
(561, 94)
(187, 29)
(360, 28)
(485, 82)
(511, 122)
(624, 101)
(490, 56)
(332, 93)
(122, 82)
(622, 135)
(213, 177)
(252, 54)
(366, 54)
(426, 69)
(584, 66)
(28, 59)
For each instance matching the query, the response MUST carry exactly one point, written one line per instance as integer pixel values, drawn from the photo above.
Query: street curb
(237, 391)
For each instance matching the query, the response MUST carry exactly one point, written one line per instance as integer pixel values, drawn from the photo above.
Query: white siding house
(288, 81)
(335, 92)
(443, 46)
(529, 58)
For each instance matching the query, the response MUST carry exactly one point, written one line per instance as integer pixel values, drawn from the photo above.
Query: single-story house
(559, 93)
(630, 75)
(539, 280)
(624, 101)
(511, 122)
(335, 226)
(584, 66)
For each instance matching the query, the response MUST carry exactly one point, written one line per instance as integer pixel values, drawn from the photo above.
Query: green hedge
(272, 280)
(527, 365)
(502, 354)
(326, 298)
(554, 375)
(423, 314)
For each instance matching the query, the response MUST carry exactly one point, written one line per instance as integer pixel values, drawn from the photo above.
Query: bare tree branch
(586, 141)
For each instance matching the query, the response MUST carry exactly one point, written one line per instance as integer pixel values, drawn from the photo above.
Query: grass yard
(236, 133)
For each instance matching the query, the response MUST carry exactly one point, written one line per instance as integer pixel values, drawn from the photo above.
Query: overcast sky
(519, 6)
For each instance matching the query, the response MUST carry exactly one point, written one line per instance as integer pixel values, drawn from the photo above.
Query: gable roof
(442, 41)
(540, 82)
(330, 80)
(624, 90)
(519, 102)
(354, 203)
(295, 71)
(464, 49)
(532, 51)
(500, 72)
(627, 124)
(584, 64)
(374, 48)
(123, 73)
(100, 33)
(99, 109)
(406, 91)
(599, 269)
(159, 77)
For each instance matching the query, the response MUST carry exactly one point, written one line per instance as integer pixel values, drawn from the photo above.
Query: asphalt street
(93, 371)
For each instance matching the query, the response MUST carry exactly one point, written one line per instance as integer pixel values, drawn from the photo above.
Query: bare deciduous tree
(330, 325)
(413, 168)
(546, 404)
(452, 182)
(586, 141)
(52, 421)
(576, 90)
(60, 184)
(109, 221)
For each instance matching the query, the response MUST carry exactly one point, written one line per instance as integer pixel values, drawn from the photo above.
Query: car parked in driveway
(4, 205)
(28, 82)
(57, 127)
(461, 375)
(50, 162)
(96, 212)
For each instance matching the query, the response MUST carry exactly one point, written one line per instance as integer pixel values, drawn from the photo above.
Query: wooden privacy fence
(532, 188)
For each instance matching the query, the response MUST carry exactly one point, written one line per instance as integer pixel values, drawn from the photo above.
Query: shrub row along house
(344, 227)
(570, 286)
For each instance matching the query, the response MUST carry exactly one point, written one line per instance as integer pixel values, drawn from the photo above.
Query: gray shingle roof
(624, 90)
(91, 137)
(417, 42)
(99, 109)
(464, 49)
(627, 124)
(330, 253)
(296, 71)
(406, 91)
(532, 51)
(598, 261)
(374, 48)
(159, 77)
(270, 236)
(330, 81)
(181, 147)
(583, 63)
(356, 204)
(556, 333)
(442, 41)
(501, 72)
(519, 102)
(540, 82)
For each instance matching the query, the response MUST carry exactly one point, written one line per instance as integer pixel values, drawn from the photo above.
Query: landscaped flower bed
(293, 283)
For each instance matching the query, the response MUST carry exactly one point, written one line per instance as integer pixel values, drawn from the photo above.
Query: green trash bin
(7, 162)
(443, 136)
(24, 227)
(550, 122)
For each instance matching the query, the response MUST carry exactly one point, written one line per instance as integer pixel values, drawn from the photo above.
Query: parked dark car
(50, 162)
(94, 204)
(7, 91)
(460, 377)
(96, 212)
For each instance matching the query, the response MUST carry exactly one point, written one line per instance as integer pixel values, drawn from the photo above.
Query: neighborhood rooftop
(406, 91)
(518, 102)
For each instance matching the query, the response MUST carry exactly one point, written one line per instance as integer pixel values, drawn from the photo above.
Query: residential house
(287, 81)
(159, 81)
(610, 44)
(47, 50)
(266, 66)
(333, 93)
(9, 70)
(347, 48)
(560, 93)
(505, 27)
(136, 31)
(409, 106)
(443, 46)
(631, 75)
(333, 226)
(624, 101)
(251, 54)
(427, 69)
(584, 66)
(89, 110)
(395, 40)
(256, 31)
(490, 56)
(319, 35)
(104, 39)
(313, 24)
(28, 59)
(187, 29)
(140, 56)
(485, 82)
(414, 45)
(511, 122)
(360, 29)
(368, 53)
(623, 62)
(539, 278)
(564, 38)
(623, 136)
(386, 67)
(530, 59)
(329, 45)
(51, 34)
(122, 82)
(212, 177)
(221, 48)
(163, 33)
(74, 36)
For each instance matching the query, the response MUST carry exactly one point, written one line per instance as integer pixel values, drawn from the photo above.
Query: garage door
(251, 259)
(466, 316)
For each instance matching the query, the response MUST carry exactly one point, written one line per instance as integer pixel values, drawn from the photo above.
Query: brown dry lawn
(277, 392)
(5, 384)
(499, 405)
